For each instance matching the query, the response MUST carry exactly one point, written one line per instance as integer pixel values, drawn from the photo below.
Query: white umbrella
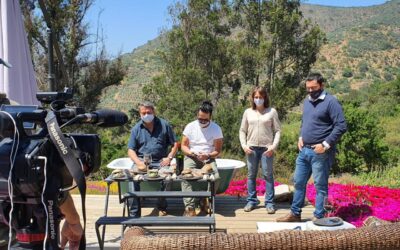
(18, 82)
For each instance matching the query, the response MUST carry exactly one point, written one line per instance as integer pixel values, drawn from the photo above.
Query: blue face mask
(258, 102)
(147, 118)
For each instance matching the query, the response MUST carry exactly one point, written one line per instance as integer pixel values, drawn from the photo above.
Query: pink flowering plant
(239, 188)
(351, 203)
(355, 203)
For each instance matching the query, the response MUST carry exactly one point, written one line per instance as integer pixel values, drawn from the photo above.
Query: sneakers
(250, 206)
(290, 217)
(271, 210)
(189, 212)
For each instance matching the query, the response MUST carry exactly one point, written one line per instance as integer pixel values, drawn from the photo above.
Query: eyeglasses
(203, 121)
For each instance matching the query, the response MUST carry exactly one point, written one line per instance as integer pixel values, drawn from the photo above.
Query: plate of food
(152, 174)
(189, 174)
(151, 178)
(118, 174)
(207, 169)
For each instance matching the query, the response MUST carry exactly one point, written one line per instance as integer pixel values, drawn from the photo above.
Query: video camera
(39, 164)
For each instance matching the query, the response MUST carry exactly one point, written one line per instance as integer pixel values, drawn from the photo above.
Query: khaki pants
(186, 186)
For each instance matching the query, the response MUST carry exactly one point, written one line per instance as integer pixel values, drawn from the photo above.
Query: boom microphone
(105, 118)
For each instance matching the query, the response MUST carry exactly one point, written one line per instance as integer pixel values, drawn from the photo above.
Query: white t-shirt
(201, 140)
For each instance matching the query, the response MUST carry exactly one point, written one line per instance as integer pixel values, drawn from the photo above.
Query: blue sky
(127, 24)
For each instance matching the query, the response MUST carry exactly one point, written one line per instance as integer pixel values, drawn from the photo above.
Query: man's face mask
(147, 118)
(203, 122)
(315, 93)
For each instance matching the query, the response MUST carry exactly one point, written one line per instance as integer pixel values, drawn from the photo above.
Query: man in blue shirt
(322, 126)
(151, 135)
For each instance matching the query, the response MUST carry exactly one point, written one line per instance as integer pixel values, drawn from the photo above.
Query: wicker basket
(374, 238)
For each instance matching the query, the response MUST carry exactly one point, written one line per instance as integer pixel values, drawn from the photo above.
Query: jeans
(308, 162)
(253, 161)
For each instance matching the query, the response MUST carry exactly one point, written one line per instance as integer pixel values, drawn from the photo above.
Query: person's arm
(131, 149)
(300, 142)
(276, 129)
(133, 156)
(218, 148)
(243, 131)
(171, 141)
(339, 123)
(72, 229)
(339, 127)
(214, 154)
(185, 146)
(167, 160)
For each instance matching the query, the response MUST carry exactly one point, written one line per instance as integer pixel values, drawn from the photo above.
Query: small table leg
(101, 240)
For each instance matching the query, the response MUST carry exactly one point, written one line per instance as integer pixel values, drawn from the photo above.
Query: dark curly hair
(206, 107)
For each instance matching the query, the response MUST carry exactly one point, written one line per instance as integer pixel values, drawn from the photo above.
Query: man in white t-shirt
(201, 143)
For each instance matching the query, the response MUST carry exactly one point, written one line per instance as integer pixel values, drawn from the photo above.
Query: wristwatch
(169, 157)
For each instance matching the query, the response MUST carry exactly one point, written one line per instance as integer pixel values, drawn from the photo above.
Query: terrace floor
(230, 216)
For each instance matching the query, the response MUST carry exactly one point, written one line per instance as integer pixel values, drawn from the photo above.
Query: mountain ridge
(363, 47)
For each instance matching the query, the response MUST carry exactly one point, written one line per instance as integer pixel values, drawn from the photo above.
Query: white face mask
(147, 118)
(258, 102)
(203, 125)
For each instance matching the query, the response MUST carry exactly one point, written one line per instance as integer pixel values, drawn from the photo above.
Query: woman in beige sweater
(259, 137)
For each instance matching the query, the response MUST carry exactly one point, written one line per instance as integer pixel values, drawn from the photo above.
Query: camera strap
(70, 159)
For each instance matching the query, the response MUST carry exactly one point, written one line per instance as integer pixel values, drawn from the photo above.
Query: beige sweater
(260, 129)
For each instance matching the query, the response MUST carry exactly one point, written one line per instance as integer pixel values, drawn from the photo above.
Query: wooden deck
(230, 216)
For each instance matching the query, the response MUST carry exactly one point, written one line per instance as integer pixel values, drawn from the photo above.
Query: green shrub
(363, 67)
(347, 73)
(362, 147)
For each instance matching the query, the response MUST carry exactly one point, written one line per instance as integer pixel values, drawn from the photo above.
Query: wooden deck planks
(230, 216)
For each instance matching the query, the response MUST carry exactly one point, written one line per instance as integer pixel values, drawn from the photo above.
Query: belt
(308, 146)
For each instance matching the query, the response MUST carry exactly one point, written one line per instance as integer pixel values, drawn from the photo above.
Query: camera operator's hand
(71, 233)
(72, 230)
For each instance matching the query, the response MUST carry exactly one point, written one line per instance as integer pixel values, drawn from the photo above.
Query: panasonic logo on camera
(60, 143)
(51, 220)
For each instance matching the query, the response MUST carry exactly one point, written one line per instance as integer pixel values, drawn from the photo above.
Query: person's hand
(203, 156)
(165, 162)
(269, 153)
(300, 144)
(141, 166)
(248, 150)
(72, 234)
(318, 148)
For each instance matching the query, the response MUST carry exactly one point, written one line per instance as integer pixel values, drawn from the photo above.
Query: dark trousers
(135, 204)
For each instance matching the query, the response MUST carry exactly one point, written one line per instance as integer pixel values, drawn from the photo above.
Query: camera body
(36, 169)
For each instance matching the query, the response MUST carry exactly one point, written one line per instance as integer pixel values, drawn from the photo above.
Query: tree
(198, 63)
(276, 48)
(73, 65)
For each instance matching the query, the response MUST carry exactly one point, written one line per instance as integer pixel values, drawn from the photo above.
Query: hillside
(142, 64)
(363, 43)
(363, 47)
